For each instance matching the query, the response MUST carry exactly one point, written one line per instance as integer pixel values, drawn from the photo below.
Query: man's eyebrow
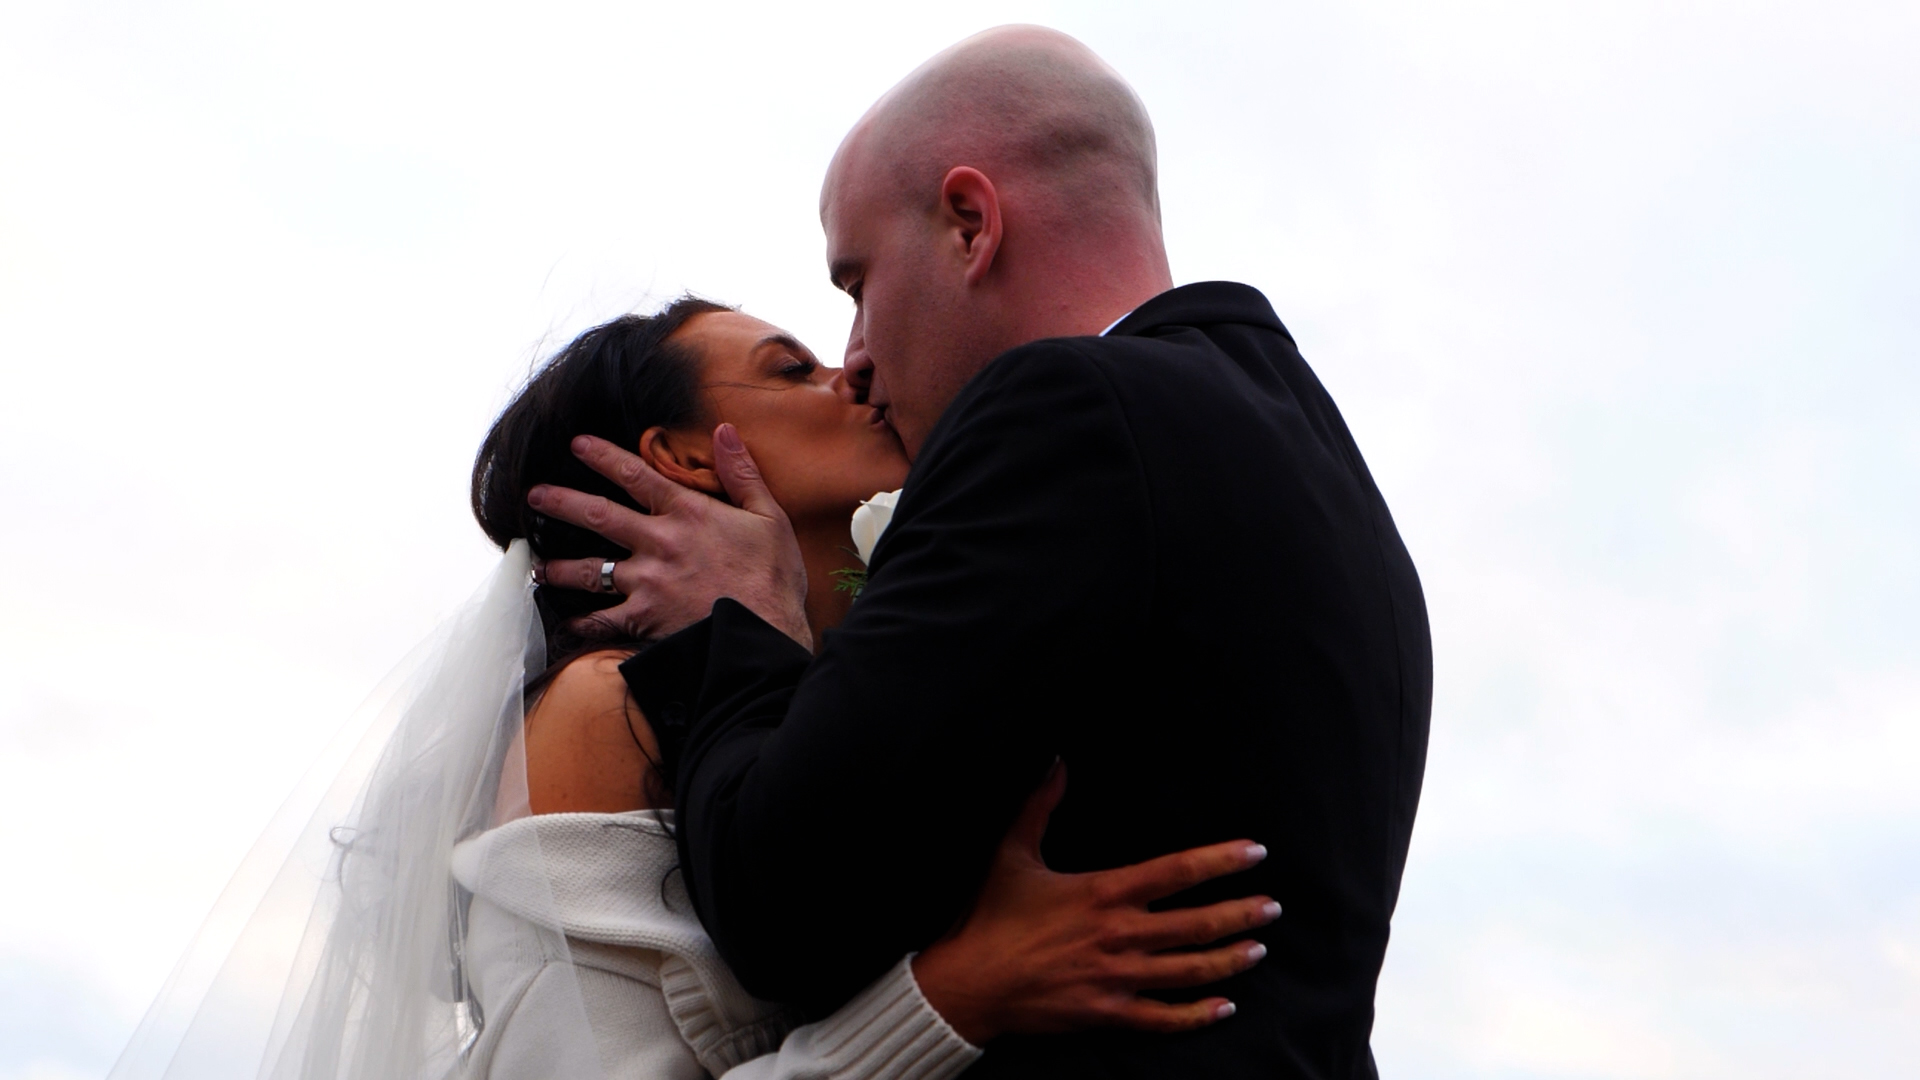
(842, 271)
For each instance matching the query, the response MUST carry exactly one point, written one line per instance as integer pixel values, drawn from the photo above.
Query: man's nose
(856, 371)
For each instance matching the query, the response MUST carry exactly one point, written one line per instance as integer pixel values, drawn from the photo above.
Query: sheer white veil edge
(336, 950)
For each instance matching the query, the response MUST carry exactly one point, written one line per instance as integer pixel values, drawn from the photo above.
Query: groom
(1137, 536)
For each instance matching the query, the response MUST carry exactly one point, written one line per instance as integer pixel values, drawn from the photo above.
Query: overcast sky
(1622, 302)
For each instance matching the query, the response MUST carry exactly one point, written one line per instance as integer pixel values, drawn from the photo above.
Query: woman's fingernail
(582, 444)
(1256, 952)
(1223, 1010)
(728, 437)
(536, 496)
(1253, 853)
(1270, 909)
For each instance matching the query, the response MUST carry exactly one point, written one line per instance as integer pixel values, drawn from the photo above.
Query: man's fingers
(610, 621)
(581, 574)
(621, 524)
(740, 476)
(627, 469)
(1145, 1014)
(1159, 878)
(1185, 927)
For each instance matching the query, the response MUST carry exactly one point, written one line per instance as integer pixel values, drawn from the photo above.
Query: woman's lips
(878, 422)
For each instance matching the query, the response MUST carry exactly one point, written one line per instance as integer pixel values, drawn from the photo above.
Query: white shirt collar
(1115, 323)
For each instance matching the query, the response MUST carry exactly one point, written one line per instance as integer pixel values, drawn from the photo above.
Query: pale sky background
(1621, 300)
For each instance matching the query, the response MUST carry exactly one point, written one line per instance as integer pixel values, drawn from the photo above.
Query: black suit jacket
(1156, 554)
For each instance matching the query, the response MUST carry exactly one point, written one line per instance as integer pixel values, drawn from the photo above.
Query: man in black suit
(1137, 536)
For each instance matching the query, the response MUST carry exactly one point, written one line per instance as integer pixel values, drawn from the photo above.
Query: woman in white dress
(488, 887)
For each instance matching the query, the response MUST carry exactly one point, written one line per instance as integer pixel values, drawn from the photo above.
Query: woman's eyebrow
(785, 341)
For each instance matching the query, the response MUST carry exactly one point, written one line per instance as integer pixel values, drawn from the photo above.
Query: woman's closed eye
(777, 363)
(799, 369)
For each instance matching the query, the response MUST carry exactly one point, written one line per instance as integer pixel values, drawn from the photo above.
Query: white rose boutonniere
(870, 520)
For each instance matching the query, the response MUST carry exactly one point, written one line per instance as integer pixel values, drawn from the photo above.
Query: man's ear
(684, 457)
(970, 212)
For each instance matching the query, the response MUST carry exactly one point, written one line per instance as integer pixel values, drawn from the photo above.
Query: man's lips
(882, 419)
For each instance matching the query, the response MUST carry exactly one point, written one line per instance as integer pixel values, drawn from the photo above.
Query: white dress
(661, 1003)
(344, 950)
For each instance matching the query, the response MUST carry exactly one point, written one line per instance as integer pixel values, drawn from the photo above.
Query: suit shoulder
(1050, 361)
(1054, 379)
(1046, 404)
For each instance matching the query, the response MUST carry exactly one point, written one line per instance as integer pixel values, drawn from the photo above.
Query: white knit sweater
(661, 1003)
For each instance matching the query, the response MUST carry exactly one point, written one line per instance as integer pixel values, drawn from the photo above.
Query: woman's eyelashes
(797, 369)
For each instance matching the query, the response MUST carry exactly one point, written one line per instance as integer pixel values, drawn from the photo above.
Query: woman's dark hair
(614, 381)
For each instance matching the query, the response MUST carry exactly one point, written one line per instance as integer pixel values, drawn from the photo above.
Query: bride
(488, 886)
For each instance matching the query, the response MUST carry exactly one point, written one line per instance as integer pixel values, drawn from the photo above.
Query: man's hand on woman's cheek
(1043, 953)
(689, 551)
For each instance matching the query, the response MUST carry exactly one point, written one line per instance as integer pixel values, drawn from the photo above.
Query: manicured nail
(1223, 1010)
(1253, 853)
(1271, 910)
(581, 445)
(728, 437)
(1256, 952)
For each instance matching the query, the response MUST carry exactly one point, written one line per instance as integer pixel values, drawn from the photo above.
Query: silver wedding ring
(606, 576)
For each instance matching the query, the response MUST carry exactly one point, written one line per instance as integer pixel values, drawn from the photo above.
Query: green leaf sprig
(850, 580)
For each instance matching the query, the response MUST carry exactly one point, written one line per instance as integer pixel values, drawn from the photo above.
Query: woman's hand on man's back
(1043, 952)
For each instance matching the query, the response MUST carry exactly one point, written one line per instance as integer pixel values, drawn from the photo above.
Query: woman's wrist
(970, 1015)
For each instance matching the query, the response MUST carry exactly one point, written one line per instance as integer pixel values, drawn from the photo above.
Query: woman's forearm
(889, 1031)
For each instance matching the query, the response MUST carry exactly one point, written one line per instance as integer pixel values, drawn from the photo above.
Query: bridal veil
(335, 953)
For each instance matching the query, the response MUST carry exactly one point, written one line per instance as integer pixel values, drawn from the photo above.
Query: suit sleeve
(835, 812)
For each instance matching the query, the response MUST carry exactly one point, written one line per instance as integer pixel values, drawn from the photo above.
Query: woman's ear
(970, 212)
(684, 457)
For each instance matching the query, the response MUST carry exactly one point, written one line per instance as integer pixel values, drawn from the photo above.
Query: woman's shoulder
(588, 683)
(589, 749)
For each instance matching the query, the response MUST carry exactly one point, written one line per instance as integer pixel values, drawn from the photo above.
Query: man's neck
(1086, 290)
(1090, 317)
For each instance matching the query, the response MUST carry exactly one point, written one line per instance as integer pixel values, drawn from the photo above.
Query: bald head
(1024, 104)
(1005, 191)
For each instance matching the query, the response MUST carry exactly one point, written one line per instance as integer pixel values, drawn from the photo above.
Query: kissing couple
(1093, 751)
